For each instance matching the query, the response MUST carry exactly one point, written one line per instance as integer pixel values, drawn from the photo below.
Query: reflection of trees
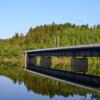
(95, 97)
(40, 85)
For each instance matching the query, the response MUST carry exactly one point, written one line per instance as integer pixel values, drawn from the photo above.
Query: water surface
(17, 84)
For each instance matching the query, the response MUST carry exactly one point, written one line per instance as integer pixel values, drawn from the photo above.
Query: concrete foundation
(30, 61)
(45, 61)
(79, 65)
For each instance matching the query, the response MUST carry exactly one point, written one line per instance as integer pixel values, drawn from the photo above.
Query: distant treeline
(45, 36)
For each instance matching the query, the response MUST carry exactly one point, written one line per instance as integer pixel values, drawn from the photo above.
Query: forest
(46, 36)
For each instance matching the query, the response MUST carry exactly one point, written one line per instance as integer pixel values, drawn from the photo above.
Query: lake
(18, 84)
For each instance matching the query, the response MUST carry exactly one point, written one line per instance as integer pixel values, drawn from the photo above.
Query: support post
(45, 61)
(79, 64)
(30, 61)
(26, 60)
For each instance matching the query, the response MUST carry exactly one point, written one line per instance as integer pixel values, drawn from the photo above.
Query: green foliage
(45, 36)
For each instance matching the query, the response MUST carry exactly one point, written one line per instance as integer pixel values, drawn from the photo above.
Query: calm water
(16, 84)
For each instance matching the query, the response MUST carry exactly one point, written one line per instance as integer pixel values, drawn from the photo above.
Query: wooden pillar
(30, 61)
(45, 61)
(79, 64)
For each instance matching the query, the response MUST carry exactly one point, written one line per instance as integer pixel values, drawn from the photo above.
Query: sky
(20, 15)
